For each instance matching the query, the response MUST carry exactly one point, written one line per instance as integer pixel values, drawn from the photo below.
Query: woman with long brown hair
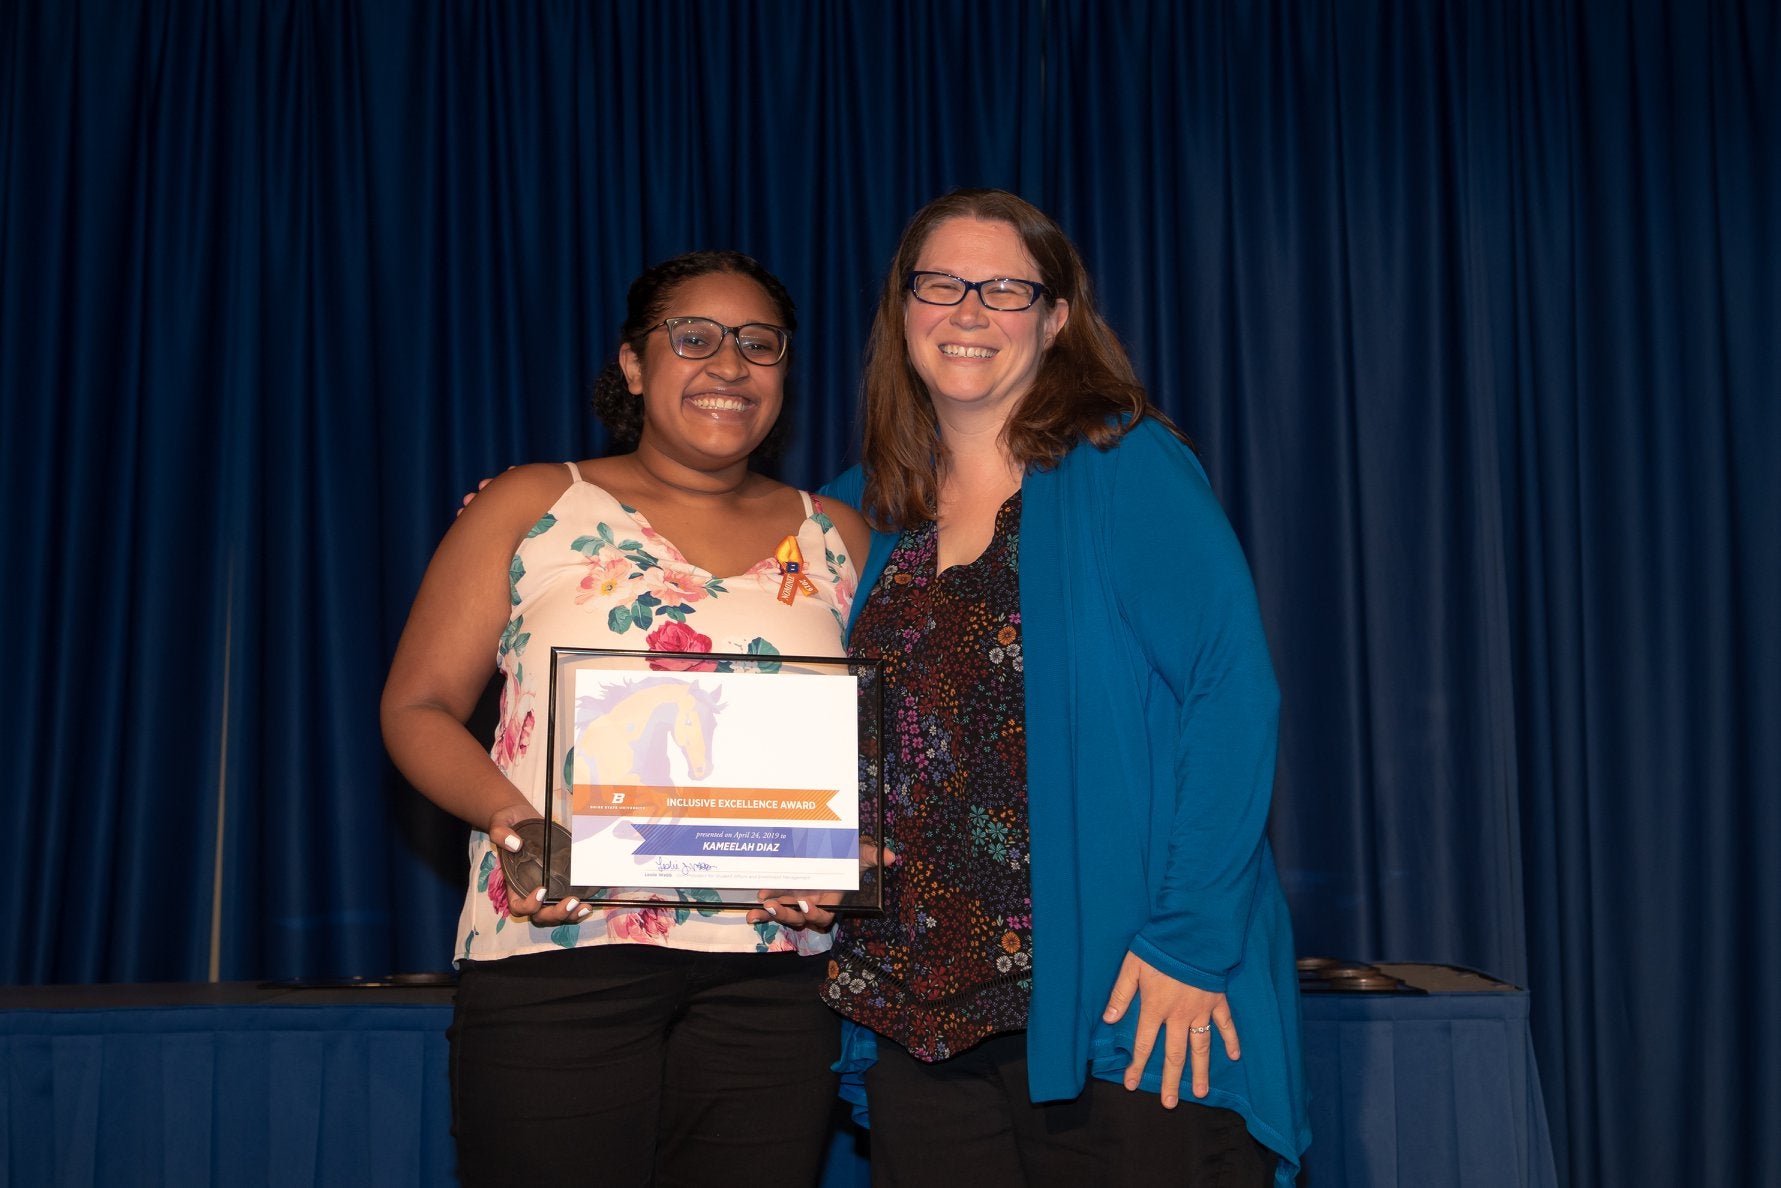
(1082, 915)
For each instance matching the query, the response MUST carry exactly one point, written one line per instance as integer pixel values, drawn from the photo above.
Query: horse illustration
(625, 740)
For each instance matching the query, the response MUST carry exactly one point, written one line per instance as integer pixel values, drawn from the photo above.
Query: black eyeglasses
(1004, 293)
(761, 343)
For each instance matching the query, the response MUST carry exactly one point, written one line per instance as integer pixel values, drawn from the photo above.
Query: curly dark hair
(645, 306)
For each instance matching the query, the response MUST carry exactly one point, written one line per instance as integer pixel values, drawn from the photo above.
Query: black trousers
(969, 1120)
(635, 1065)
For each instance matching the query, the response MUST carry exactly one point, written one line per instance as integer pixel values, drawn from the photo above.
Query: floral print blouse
(949, 963)
(592, 573)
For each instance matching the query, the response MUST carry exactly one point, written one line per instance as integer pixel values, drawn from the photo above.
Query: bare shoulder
(847, 518)
(615, 472)
(532, 480)
(514, 500)
(852, 527)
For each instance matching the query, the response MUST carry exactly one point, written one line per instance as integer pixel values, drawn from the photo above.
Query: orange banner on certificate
(666, 801)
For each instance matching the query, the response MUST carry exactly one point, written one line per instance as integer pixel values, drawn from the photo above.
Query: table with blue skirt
(1432, 1083)
(240, 1083)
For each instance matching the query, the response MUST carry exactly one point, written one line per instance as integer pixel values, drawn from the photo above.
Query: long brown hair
(1085, 390)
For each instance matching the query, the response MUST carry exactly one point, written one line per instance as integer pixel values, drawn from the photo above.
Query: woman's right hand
(502, 833)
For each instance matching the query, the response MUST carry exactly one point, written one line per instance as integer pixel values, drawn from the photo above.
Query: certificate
(708, 777)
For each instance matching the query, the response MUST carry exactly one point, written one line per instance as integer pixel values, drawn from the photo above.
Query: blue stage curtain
(1472, 309)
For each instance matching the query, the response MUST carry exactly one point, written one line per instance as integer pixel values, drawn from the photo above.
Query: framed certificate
(710, 777)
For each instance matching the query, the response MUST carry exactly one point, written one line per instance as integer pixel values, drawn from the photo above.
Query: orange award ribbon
(791, 571)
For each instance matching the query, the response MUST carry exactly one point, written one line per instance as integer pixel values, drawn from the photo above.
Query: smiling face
(706, 414)
(978, 362)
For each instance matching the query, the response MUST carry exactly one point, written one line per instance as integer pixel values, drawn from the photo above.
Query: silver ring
(1199, 1030)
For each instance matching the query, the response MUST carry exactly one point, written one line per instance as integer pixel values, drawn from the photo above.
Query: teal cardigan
(1151, 720)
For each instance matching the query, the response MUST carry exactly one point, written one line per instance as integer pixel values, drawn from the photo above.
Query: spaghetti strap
(574, 473)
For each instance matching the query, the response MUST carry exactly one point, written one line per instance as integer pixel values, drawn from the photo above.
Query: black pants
(969, 1120)
(635, 1065)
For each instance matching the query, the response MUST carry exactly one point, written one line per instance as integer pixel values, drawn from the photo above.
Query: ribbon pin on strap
(791, 571)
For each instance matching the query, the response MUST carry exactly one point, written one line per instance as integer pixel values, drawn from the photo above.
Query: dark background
(1472, 309)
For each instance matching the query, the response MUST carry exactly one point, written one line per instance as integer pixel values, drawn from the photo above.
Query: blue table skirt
(1437, 1089)
(228, 1095)
(236, 1084)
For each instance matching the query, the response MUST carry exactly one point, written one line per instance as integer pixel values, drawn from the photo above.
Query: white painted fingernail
(804, 906)
(584, 913)
(512, 843)
(568, 904)
(771, 910)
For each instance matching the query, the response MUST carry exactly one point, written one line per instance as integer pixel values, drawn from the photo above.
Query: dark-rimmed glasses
(761, 343)
(1005, 293)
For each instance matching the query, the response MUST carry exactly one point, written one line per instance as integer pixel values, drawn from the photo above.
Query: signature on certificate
(679, 866)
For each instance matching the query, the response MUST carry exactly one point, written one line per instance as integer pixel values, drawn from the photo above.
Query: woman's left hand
(792, 910)
(1185, 1014)
(810, 909)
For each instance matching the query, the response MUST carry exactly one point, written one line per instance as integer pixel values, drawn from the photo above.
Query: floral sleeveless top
(592, 573)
